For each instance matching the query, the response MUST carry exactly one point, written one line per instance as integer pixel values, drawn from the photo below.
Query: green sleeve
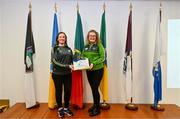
(59, 64)
(101, 58)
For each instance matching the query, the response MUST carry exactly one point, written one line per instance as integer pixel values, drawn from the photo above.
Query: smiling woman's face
(62, 38)
(92, 37)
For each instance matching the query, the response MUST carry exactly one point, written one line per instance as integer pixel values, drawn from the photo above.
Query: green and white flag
(30, 98)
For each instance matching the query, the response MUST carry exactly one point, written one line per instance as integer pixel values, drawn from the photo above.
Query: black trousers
(59, 82)
(94, 79)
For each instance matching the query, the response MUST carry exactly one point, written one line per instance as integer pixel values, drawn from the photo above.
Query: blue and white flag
(157, 64)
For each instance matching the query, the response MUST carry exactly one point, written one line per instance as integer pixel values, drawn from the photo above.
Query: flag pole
(104, 105)
(131, 105)
(55, 7)
(52, 104)
(75, 50)
(157, 106)
(77, 7)
(77, 76)
(30, 6)
(104, 6)
(37, 104)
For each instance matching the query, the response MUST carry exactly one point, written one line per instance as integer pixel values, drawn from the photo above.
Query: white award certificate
(81, 64)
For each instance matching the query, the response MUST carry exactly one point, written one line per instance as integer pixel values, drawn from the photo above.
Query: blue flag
(52, 98)
(55, 30)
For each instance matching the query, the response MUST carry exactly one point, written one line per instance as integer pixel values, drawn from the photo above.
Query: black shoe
(61, 112)
(95, 111)
(68, 112)
(91, 108)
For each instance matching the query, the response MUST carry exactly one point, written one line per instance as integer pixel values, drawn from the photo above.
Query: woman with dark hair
(61, 58)
(94, 51)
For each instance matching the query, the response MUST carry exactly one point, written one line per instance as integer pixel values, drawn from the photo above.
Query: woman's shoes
(62, 111)
(68, 112)
(94, 110)
(91, 108)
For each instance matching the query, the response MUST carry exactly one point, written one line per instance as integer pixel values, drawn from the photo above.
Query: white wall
(144, 26)
(1, 49)
(170, 13)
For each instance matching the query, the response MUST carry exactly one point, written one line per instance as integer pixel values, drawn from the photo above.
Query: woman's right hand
(71, 67)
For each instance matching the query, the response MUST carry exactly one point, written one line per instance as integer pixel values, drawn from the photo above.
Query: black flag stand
(104, 105)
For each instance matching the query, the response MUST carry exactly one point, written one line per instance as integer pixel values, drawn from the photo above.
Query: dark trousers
(94, 79)
(59, 81)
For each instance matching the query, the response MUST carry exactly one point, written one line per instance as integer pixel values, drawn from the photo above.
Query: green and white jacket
(96, 55)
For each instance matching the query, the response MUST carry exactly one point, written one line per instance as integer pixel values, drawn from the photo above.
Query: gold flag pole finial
(130, 6)
(55, 7)
(104, 6)
(30, 6)
(77, 6)
(160, 5)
